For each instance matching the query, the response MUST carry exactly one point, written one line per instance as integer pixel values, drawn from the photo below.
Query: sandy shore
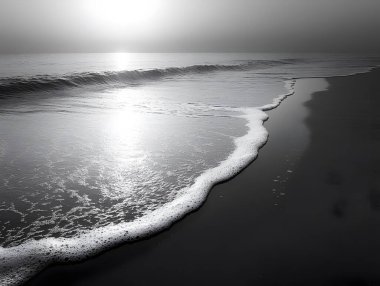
(306, 212)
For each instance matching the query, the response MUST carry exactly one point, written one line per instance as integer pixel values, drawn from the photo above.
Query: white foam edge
(19, 263)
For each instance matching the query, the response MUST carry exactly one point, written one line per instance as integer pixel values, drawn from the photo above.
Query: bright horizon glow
(122, 17)
(28, 26)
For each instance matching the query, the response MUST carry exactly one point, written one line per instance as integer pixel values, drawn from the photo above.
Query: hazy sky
(189, 25)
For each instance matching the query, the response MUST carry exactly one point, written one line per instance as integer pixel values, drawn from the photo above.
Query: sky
(189, 26)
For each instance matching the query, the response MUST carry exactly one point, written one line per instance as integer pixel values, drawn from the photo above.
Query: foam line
(18, 263)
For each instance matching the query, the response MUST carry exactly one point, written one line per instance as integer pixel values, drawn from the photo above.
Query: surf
(15, 85)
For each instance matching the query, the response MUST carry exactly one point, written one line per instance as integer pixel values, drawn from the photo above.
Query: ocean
(98, 149)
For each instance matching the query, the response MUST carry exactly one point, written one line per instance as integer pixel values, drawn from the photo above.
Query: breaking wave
(15, 85)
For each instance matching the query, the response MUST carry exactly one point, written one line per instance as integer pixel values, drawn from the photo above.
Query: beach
(305, 212)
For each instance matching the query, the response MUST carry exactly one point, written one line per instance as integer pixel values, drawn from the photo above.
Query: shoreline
(207, 223)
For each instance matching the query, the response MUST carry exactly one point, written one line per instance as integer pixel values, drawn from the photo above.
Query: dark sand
(320, 226)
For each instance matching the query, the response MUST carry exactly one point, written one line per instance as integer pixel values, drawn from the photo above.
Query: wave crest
(16, 85)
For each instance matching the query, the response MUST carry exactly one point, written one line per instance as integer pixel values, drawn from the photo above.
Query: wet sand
(306, 212)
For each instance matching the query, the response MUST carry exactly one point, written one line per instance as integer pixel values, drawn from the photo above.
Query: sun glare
(120, 16)
(121, 60)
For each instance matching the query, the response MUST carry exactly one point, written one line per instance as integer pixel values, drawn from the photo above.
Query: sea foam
(19, 263)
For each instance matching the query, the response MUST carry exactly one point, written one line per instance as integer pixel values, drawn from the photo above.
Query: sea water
(97, 149)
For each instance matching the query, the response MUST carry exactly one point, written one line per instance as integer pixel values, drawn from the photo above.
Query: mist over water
(94, 141)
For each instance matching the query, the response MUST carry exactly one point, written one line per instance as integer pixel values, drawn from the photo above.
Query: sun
(121, 16)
